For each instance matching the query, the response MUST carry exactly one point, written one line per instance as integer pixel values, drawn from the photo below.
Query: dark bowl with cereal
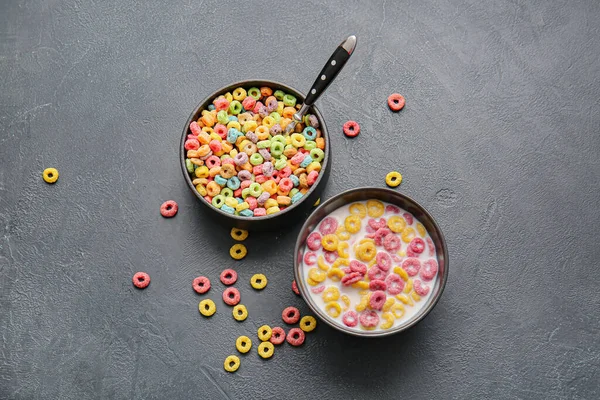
(239, 162)
(371, 262)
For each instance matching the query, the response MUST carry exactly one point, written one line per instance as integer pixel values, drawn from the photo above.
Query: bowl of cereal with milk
(371, 262)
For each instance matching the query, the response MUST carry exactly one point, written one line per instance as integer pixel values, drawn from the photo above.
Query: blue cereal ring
(233, 183)
(229, 210)
(307, 160)
(309, 133)
(295, 180)
(247, 213)
(295, 198)
(220, 180)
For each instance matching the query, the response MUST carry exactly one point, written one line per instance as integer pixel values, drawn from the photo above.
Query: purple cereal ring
(244, 175)
(231, 296)
(275, 130)
(318, 289)
(391, 243)
(384, 261)
(350, 319)
(240, 159)
(265, 154)
(267, 168)
(373, 223)
(377, 300)
(420, 289)
(313, 121)
(328, 226)
(428, 270)
(351, 278)
(263, 112)
(313, 241)
(395, 285)
(253, 137)
(272, 105)
(411, 266)
(378, 285)
(375, 273)
(262, 199)
(310, 258)
(359, 267)
(331, 256)
(369, 319)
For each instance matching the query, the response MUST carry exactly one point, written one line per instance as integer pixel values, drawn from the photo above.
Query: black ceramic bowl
(287, 216)
(393, 197)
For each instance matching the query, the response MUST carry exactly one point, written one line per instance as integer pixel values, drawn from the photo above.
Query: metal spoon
(333, 67)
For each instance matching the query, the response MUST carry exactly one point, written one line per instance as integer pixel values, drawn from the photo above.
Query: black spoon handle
(333, 67)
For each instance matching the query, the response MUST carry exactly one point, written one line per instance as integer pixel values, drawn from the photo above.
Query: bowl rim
(254, 82)
(325, 318)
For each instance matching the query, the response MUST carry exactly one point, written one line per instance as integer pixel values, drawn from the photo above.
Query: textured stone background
(499, 140)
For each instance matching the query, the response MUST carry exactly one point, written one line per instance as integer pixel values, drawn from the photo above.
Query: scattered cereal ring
(393, 179)
(405, 299)
(238, 251)
(141, 280)
(295, 288)
(395, 285)
(420, 288)
(290, 315)
(358, 209)
(392, 208)
(201, 284)
(266, 349)
(333, 308)
(239, 312)
(168, 209)
(411, 266)
(207, 307)
(295, 337)
(317, 202)
(228, 277)
(388, 304)
(331, 256)
(258, 281)
(308, 323)
(231, 296)
(377, 300)
(239, 234)
(231, 364)
(313, 241)
(350, 319)
(408, 287)
(415, 296)
(396, 102)
(351, 129)
(328, 226)
(277, 335)
(243, 344)
(369, 319)
(408, 234)
(50, 175)
(264, 333)
(366, 251)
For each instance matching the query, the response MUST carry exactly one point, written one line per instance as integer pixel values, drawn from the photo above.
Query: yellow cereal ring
(231, 364)
(335, 274)
(366, 252)
(400, 271)
(358, 209)
(342, 234)
(330, 242)
(372, 262)
(243, 344)
(408, 234)
(308, 323)
(352, 223)
(342, 249)
(396, 223)
(402, 253)
(361, 285)
(270, 203)
(346, 301)
(258, 281)
(273, 210)
(388, 304)
(363, 292)
(421, 229)
(207, 307)
(268, 122)
(393, 179)
(408, 287)
(317, 202)
(333, 308)
(50, 175)
(238, 251)
(364, 302)
(264, 333)
(398, 310)
(240, 312)
(405, 299)
(340, 261)
(311, 282)
(266, 349)
(316, 275)
(331, 293)
(239, 94)
(321, 263)
(415, 296)
(389, 320)
(375, 208)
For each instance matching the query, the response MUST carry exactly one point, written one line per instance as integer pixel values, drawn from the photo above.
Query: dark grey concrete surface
(499, 140)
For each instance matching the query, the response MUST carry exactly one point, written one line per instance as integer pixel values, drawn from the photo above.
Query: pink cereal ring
(420, 289)
(251, 202)
(295, 337)
(195, 128)
(295, 288)
(141, 280)
(313, 241)
(277, 333)
(331, 256)
(290, 315)
(215, 146)
(310, 258)
(221, 130)
(328, 226)
(375, 273)
(221, 104)
(369, 229)
(378, 285)
(238, 193)
(285, 172)
(431, 246)
(384, 261)
(408, 217)
(373, 223)
(395, 285)
(297, 158)
(346, 270)
(351, 278)
(318, 289)
(377, 300)
(369, 319)
(429, 270)
(260, 179)
(227, 161)
(248, 103)
(391, 242)
(395, 257)
(359, 267)
(192, 144)
(260, 212)
(411, 266)
(417, 245)
(168, 209)
(392, 208)
(351, 129)
(257, 107)
(350, 319)
(213, 161)
(201, 284)
(231, 296)
(312, 178)
(228, 277)
(286, 184)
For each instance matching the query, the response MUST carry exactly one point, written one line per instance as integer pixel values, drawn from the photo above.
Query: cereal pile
(240, 159)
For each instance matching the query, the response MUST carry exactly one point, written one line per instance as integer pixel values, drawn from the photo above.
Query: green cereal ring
(227, 192)
(293, 192)
(263, 144)
(256, 159)
(222, 117)
(189, 165)
(310, 144)
(275, 115)
(245, 192)
(317, 155)
(279, 138)
(255, 189)
(254, 92)
(280, 164)
(289, 100)
(218, 201)
(279, 94)
(277, 148)
(235, 107)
